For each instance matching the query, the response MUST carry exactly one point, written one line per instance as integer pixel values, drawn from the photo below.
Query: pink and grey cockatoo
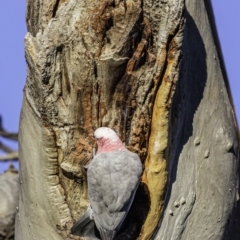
(113, 178)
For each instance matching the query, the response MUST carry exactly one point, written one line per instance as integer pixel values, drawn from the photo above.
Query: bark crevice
(117, 64)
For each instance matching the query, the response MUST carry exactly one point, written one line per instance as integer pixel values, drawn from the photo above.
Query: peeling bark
(117, 64)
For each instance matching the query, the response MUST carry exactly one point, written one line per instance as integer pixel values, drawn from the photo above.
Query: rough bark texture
(8, 203)
(116, 64)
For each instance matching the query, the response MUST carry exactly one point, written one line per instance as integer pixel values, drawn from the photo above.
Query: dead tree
(151, 71)
(9, 202)
(8, 187)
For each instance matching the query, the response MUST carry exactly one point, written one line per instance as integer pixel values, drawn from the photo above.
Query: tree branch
(5, 134)
(5, 148)
(8, 135)
(9, 156)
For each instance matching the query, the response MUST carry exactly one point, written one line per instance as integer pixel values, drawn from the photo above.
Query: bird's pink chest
(104, 145)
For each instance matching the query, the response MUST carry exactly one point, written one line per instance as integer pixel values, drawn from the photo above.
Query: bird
(113, 177)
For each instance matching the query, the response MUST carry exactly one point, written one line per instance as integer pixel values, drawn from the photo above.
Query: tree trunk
(8, 202)
(118, 64)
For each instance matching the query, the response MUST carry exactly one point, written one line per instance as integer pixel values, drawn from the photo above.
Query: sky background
(13, 65)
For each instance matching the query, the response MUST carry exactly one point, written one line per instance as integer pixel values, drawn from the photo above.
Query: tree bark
(118, 64)
(9, 202)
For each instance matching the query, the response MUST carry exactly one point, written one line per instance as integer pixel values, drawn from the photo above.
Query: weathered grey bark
(8, 202)
(203, 179)
(116, 64)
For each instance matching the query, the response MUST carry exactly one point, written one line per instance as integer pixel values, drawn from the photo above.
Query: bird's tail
(106, 234)
(85, 226)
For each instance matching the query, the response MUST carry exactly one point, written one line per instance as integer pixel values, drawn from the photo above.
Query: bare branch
(5, 134)
(8, 135)
(9, 156)
(5, 148)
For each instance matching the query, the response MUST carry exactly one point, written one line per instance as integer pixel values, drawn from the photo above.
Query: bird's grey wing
(113, 179)
(128, 168)
(85, 226)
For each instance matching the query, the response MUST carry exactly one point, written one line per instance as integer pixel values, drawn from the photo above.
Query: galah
(113, 177)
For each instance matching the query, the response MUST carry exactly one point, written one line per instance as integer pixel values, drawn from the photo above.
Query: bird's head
(108, 140)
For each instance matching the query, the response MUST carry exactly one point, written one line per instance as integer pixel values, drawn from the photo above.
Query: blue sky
(13, 66)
